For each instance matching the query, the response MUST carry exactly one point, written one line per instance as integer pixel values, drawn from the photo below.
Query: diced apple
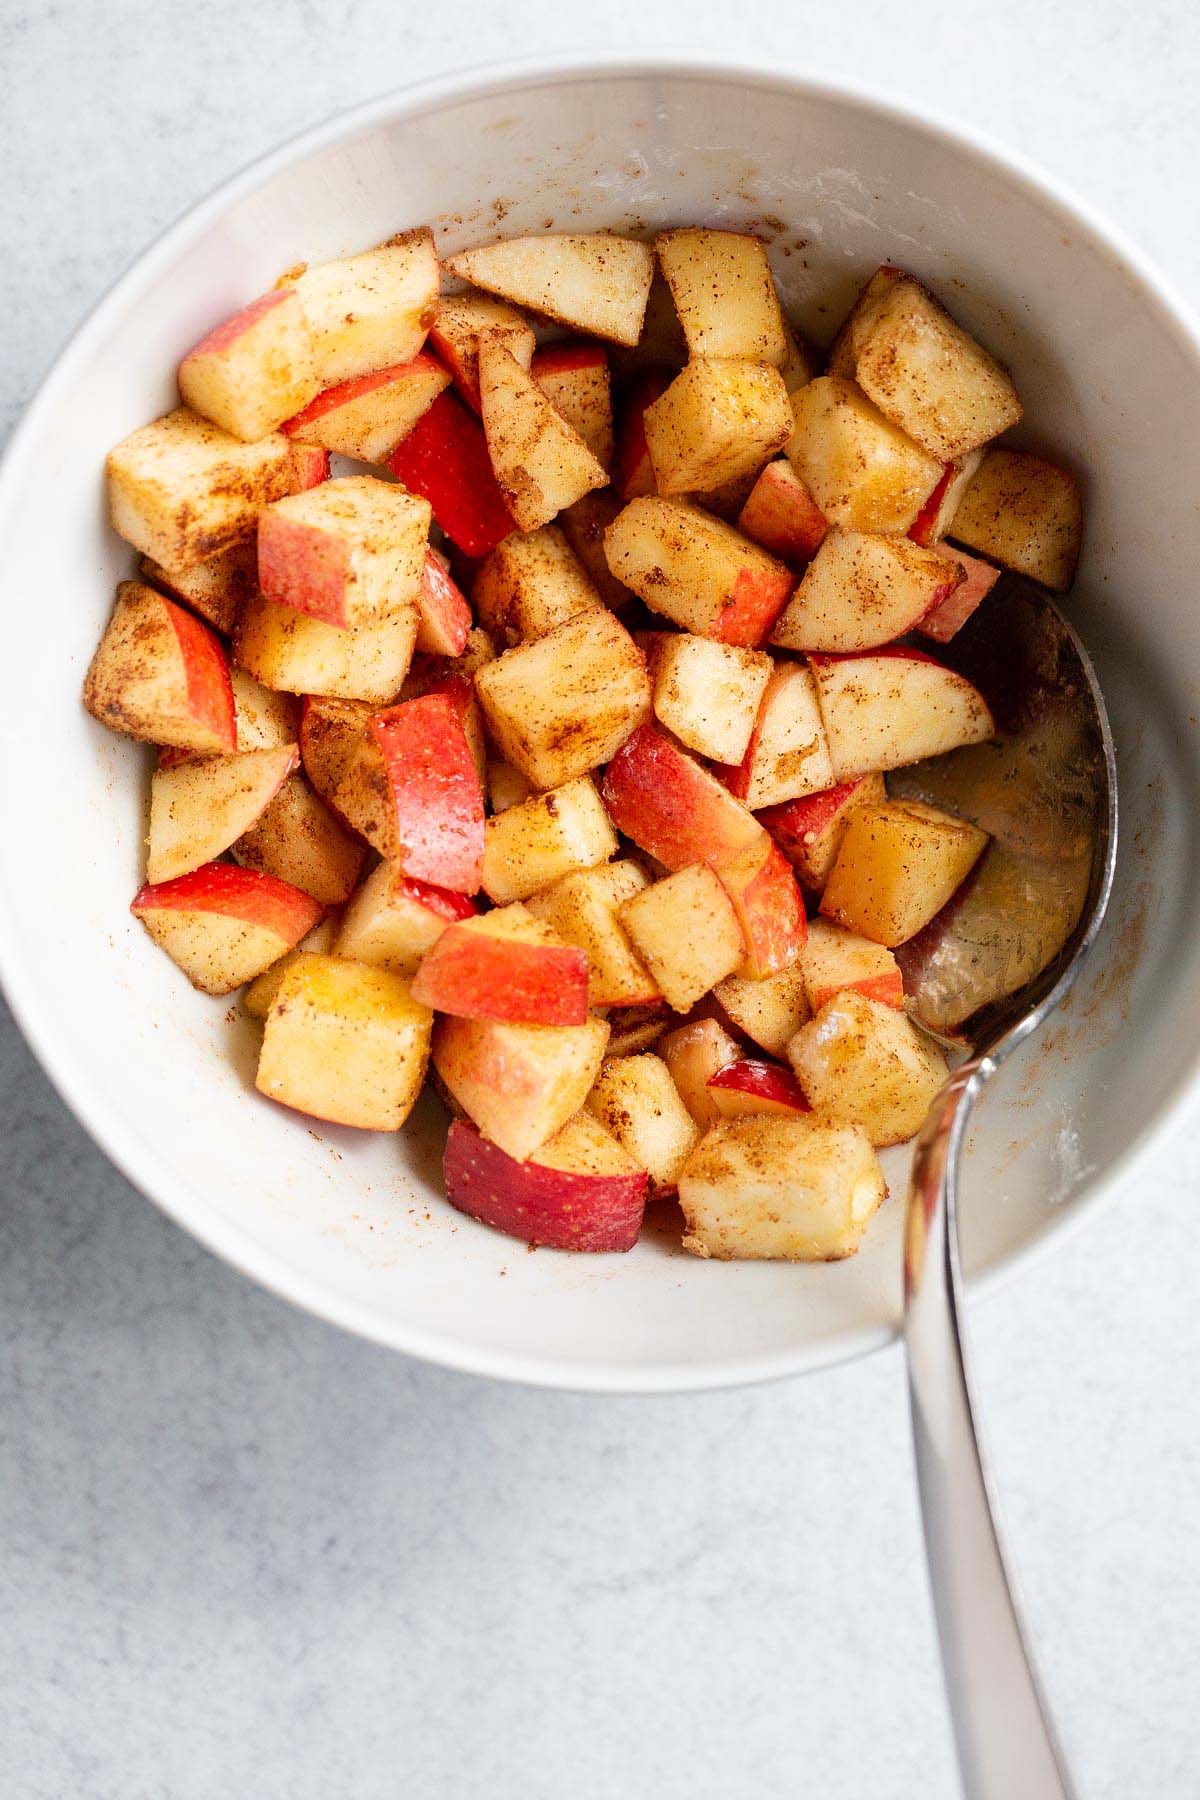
(345, 1042)
(1024, 513)
(368, 416)
(707, 693)
(160, 675)
(255, 369)
(697, 571)
(348, 552)
(782, 516)
(579, 1192)
(947, 619)
(505, 964)
(686, 931)
(182, 490)
(537, 841)
(788, 754)
(770, 1011)
(505, 785)
(431, 673)
(584, 526)
(310, 466)
(584, 909)
(809, 830)
(633, 471)
(752, 1088)
(769, 908)
(563, 703)
(724, 294)
(861, 1062)
(886, 708)
(693, 1053)
(898, 864)
(199, 808)
(394, 921)
(862, 590)
(540, 462)
(217, 589)
(406, 779)
(636, 1101)
(862, 471)
(672, 807)
(719, 420)
(794, 1188)
(454, 334)
(927, 374)
(445, 617)
(445, 459)
(223, 925)
(594, 282)
(301, 654)
(530, 583)
(519, 1083)
(372, 310)
(835, 960)
(259, 995)
(575, 380)
(300, 841)
(933, 521)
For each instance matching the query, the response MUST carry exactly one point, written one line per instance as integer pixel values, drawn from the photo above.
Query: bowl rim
(151, 1173)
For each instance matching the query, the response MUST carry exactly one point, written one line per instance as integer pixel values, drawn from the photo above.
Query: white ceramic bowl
(354, 1227)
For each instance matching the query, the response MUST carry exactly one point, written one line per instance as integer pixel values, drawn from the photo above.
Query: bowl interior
(353, 1226)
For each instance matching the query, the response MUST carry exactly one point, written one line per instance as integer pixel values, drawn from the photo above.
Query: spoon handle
(1003, 1732)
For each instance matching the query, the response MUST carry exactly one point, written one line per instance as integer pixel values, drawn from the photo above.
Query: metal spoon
(984, 975)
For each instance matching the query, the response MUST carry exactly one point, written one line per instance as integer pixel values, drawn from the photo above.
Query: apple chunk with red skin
(348, 552)
(809, 830)
(885, 708)
(345, 1042)
(863, 589)
(445, 616)
(579, 1192)
(445, 459)
(373, 309)
(782, 516)
(769, 908)
(394, 921)
(255, 369)
(945, 620)
(223, 925)
(788, 754)
(505, 964)
(367, 417)
(575, 380)
(633, 471)
(754, 1087)
(200, 807)
(539, 460)
(693, 1054)
(697, 571)
(519, 1083)
(160, 675)
(835, 960)
(672, 807)
(454, 335)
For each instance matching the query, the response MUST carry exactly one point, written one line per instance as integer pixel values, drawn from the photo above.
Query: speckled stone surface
(245, 1555)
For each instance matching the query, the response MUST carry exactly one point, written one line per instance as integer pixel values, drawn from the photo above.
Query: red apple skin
(673, 808)
(435, 790)
(949, 616)
(206, 674)
(922, 528)
(754, 1085)
(897, 652)
(445, 459)
(237, 893)
(799, 822)
(310, 464)
(227, 333)
(756, 602)
(560, 359)
(442, 901)
(781, 515)
(770, 909)
(633, 472)
(552, 1207)
(482, 977)
(445, 612)
(887, 989)
(303, 566)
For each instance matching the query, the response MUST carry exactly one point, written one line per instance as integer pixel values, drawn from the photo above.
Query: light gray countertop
(243, 1555)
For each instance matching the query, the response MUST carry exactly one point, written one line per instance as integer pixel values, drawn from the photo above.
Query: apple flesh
(899, 863)
(508, 965)
(300, 654)
(809, 830)
(595, 282)
(160, 675)
(933, 520)
(254, 370)
(580, 1192)
(886, 708)
(366, 418)
(862, 471)
(1026, 514)
(217, 589)
(719, 421)
(672, 807)
(835, 960)
(348, 552)
(752, 1088)
(540, 462)
(371, 310)
(724, 294)
(707, 694)
(863, 1064)
(697, 571)
(518, 1083)
(694, 1053)
(445, 616)
(445, 459)
(781, 515)
(862, 590)
(637, 1101)
(770, 1012)
(454, 334)
(685, 929)
(299, 840)
(575, 380)
(198, 809)
(769, 908)
(584, 525)
(788, 753)
(394, 921)
(541, 839)
(947, 619)
(583, 907)
(223, 925)
(530, 583)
